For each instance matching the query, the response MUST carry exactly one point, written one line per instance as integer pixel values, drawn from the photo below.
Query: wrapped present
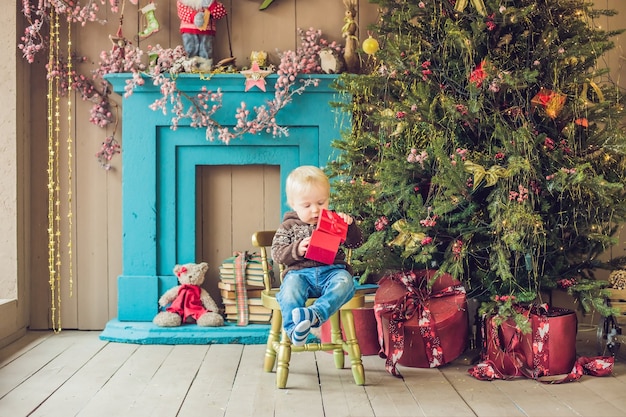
(364, 322)
(548, 349)
(330, 232)
(329, 222)
(422, 320)
(365, 327)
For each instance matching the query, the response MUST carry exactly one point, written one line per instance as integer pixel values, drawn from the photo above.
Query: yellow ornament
(406, 238)
(370, 46)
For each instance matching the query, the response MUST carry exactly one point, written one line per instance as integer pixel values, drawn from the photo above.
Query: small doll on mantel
(348, 31)
(197, 26)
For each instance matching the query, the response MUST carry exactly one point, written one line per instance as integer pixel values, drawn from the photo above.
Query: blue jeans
(332, 285)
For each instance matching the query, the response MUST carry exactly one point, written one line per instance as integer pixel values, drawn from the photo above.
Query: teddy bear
(189, 302)
(197, 26)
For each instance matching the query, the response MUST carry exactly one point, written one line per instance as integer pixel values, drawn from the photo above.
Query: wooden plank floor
(74, 373)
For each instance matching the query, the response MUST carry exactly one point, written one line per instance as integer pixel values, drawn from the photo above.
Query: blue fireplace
(159, 181)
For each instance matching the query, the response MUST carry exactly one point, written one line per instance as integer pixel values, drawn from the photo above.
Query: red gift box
(365, 327)
(547, 353)
(421, 327)
(331, 231)
(330, 222)
(549, 349)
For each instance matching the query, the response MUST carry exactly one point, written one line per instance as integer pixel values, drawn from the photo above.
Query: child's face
(310, 203)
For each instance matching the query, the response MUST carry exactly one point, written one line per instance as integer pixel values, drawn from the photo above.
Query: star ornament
(255, 77)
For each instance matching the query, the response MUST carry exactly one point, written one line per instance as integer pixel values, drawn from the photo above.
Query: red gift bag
(518, 354)
(420, 326)
(547, 353)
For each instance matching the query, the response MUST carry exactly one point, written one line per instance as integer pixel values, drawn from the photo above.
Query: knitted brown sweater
(293, 230)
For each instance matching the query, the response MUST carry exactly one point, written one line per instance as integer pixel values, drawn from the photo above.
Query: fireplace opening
(232, 202)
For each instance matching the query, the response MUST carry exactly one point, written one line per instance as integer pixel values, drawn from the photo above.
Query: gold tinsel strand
(55, 66)
(70, 159)
(57, 181)
(52, 95)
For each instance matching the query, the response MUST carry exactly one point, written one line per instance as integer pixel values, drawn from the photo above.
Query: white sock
(304, 313)
(301, 332)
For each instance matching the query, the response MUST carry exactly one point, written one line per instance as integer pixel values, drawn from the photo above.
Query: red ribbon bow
(181, 271)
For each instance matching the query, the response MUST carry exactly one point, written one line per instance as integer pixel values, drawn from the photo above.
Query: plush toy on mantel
(197, 26)
(189, 301)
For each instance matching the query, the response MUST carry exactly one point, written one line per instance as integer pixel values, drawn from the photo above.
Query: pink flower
(430, 221)
(381, 223)
(566, 282)
(504, 298)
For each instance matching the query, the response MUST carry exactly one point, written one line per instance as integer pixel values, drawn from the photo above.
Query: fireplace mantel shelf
(158, 179)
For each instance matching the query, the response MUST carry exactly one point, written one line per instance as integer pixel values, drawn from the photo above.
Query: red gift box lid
(390, 291)
(330, 222)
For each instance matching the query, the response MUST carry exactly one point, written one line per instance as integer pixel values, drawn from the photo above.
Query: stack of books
(256, 312)
(254, 285)
(254, 271)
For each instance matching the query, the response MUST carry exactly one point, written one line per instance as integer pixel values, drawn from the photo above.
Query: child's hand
(346, 218)
(303, 246)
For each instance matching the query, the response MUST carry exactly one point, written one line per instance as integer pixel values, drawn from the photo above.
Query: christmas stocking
(152, 25)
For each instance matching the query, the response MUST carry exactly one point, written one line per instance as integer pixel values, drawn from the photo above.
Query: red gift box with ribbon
(547, 353)
(330, 223)
(420, 326)
(330, 232)
(548, 349)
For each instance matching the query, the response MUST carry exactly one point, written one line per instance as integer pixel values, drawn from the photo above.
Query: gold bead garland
(70, 161)
(51, 157)
(54, 180)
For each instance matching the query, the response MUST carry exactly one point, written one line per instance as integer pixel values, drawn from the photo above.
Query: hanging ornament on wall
(370, 45)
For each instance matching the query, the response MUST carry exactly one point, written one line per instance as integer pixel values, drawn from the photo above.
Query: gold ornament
(409, 240)
(551, 101)
(260, 57)
(490, 176)
(479, 5)
(370, 45)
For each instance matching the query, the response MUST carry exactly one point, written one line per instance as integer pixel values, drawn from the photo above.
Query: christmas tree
(486, 143)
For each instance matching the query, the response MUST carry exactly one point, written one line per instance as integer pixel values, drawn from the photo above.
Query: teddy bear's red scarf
(188, 302)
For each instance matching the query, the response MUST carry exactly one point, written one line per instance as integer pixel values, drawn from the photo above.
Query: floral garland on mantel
(165, 64)
(203, 105)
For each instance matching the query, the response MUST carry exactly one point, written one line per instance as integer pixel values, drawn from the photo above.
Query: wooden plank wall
(96, 199)
(233, 201)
